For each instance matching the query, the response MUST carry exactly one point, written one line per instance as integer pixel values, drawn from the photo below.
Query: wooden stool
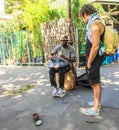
(70, 81)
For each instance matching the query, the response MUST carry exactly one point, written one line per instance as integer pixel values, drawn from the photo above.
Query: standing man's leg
(94, 79)
(96, 86)
(97, 95)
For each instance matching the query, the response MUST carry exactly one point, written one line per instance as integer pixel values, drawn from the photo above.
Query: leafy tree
(76, 6)
(29, 15)
(12, 6)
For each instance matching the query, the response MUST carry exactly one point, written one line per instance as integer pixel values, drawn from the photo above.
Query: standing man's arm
(96, 31)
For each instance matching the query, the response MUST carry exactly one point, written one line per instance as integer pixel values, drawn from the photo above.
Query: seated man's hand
(62, 57)
(53, 56)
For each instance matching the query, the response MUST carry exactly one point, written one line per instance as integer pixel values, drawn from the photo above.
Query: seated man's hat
(64, 38)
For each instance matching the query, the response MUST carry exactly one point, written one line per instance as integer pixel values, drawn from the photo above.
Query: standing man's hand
(88, 65)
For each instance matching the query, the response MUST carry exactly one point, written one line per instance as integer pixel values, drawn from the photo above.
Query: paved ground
(56, 113)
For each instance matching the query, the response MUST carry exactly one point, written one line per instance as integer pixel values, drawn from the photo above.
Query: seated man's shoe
(55, 91)
(61, 93)
(91, 112)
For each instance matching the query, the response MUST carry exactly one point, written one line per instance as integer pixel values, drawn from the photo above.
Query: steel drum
(56, 63)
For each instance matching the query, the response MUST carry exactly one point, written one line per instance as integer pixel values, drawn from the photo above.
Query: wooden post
(70, 22)
(71, 31)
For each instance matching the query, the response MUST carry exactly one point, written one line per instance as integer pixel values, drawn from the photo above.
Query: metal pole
(3, 50)
(28, 49)
(20, 33)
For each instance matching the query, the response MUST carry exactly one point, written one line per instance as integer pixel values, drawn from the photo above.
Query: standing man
(67, 53)
(94, 33)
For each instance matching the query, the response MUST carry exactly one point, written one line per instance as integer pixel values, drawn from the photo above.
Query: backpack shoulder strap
(100, 21)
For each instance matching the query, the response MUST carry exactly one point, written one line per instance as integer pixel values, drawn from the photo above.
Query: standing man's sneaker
(55, 91)
(91, 104)
(91, 112)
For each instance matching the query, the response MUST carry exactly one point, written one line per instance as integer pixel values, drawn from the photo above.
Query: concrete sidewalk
(56, 113)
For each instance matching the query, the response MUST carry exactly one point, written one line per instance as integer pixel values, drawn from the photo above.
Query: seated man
(67, 53)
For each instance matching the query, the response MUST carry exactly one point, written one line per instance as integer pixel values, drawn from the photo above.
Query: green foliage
(29, 14)
(12, 6)
(76, 6)
(63, 12)
(98, 7)
(8, 27)
(53, 14)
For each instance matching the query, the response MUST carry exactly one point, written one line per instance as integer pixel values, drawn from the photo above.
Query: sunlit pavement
(56, 113)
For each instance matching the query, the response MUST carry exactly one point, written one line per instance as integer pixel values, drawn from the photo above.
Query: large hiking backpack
(110, 40)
